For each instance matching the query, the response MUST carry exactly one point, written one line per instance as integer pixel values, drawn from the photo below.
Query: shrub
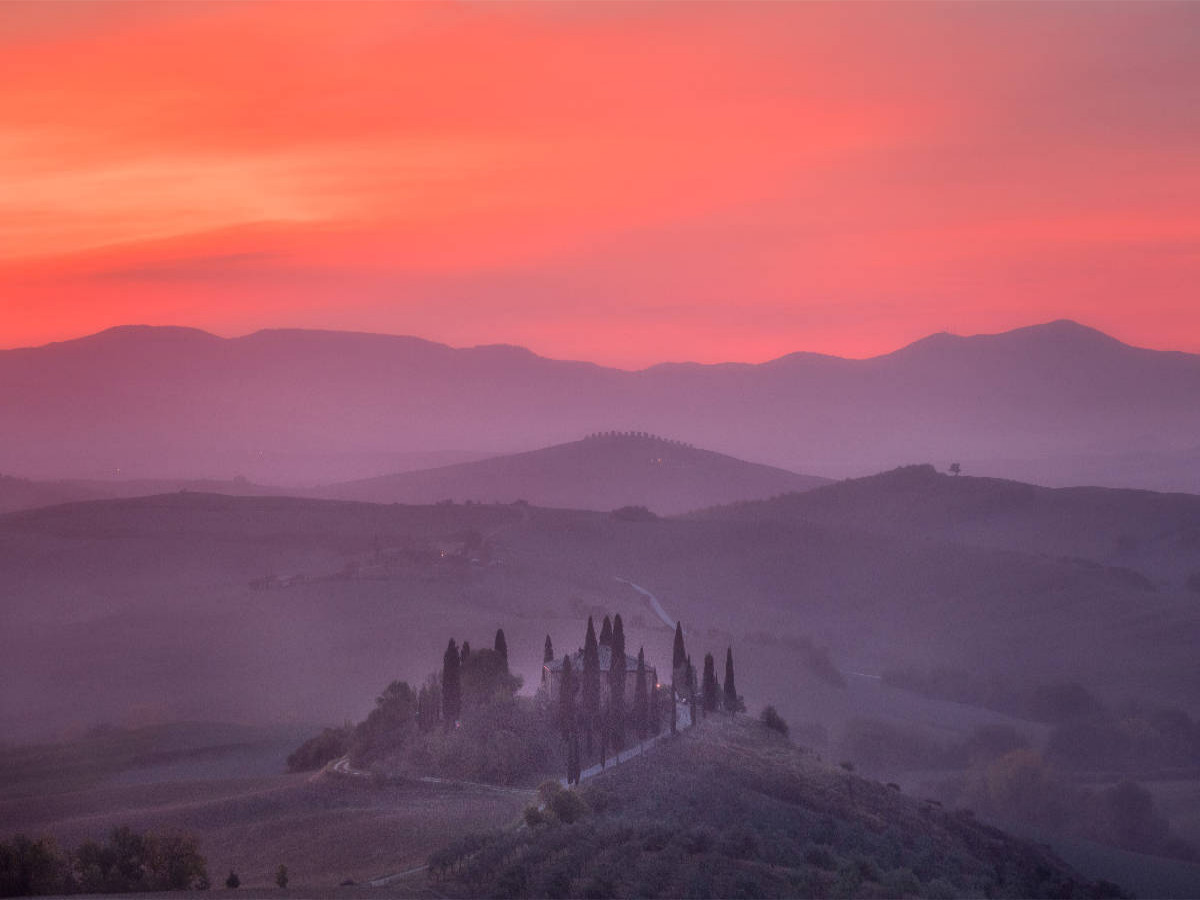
(771, 718)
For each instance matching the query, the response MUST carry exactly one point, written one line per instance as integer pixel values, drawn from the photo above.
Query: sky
(621, 182)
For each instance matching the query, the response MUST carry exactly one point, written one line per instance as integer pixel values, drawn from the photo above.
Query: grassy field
(324, 829)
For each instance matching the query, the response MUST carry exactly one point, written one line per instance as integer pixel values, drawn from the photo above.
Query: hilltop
(1057, 403)
(602, 472)
(730, 809)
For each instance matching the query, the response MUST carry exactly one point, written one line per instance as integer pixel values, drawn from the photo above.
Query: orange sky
(620, 182)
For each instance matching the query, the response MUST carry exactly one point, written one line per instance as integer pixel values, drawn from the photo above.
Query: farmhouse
(552, 673)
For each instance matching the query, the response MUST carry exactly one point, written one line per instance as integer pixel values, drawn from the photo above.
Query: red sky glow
(620, 182)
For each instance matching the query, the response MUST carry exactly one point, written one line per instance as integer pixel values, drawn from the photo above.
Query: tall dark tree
(731, 696)
(466, 651)
(711, 693)
(501, 646)
(573, 767)
(548, 652)
(606, 631)
(451, 685)
(591, 686)
(679, 657)
(690, 681)
(566, 700)
(616, 684)
(641, 698)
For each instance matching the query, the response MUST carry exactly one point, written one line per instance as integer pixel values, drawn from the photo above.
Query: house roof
(556, 665)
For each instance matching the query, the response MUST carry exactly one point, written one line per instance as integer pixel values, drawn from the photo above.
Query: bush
(330, 744)
(771, 718)
(634, 514)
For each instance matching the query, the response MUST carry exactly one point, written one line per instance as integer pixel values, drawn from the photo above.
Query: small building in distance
(552, 674)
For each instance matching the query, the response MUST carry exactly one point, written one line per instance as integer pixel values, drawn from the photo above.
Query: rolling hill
(288, 406)
(729, 809)
(162, 608)
(1145, 532)
(602, 472)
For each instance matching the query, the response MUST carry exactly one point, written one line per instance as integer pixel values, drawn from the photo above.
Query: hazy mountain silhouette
(318, 406)
(604, 472)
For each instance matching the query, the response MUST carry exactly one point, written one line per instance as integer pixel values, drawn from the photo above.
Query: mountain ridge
(294, 406)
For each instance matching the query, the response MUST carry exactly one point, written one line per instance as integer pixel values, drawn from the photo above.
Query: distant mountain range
(1057, 403)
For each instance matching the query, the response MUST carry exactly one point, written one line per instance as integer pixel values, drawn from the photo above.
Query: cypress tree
(731, 697)
(710, 684)
(548, 653)
(466, 651)
(566, 700)
(616, 684)
(690, 679)
(591, 685)
(573, 768)
(679, 657)
(451, 685)
(641, 700)
(501, 647)
(606, 632)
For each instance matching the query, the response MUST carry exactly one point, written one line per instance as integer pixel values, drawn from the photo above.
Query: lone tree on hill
(641, 702)
(451, 685)
(501, 646)
(710, 684)
(732, 703)
(591, 685)
(281, 876)
(955, 469)
(548, 653)
(606, 632)
(233, 882)
(616, 684)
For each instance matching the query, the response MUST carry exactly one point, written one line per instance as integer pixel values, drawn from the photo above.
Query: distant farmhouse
(552, 673)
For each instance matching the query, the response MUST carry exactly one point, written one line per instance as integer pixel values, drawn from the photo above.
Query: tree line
(126, 861)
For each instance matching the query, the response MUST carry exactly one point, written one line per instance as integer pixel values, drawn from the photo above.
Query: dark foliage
(451, 684)
(634, 514)
(710, 690)
(773, 720)
(127, 862)
(314, 753)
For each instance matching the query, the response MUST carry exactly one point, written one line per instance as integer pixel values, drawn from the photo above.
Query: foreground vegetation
(732, 809)
(127, 862)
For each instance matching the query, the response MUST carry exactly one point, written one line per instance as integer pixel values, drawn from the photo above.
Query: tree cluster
(126, 862)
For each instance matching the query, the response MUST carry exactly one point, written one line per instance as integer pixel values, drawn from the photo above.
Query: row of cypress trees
(580, 711)
(713, 695)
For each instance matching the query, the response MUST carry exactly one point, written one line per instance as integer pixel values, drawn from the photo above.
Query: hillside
(164, 595)
(290, 406)
(601, 472)
(730, 809)
(1152, 533)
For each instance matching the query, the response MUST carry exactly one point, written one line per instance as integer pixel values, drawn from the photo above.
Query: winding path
(654, 604)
